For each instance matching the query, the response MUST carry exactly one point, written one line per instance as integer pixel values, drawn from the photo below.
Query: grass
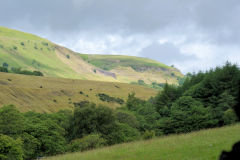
(46, 94)
(201, 145)
(109, 62)
(31, 52)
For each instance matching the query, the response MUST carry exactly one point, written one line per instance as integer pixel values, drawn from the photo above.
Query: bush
(88, 142)
(68, 56)
(121, 133)
(127, 118)
(229, 117)
(26, 72)
(5, 65)
(148, 135)
(45, 43)
(90, 119)
(22, 43)
(15, 48)
(37, 73)
(10, 149)
(104, 97)
(3, 69)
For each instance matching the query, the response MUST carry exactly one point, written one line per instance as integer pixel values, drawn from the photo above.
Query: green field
(201, 145)
(30, 52)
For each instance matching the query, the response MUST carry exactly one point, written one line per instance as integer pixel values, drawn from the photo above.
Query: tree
(91, 119)
(11, 121)
(48, 136)
(5, 65)
(166, 97)
(127, 118)
(3, 69)
(188, 114)
(10, 149)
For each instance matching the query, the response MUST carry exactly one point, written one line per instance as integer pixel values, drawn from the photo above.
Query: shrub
(88, 142)
(104, 97)
(15, 48)
(68, 56)
(229, 117)
(121, 133)
(22, 43)
(45, 43)
(10, 149)
(127, 118)
(3, 69)
(5, 65)
(37, 73)
(148, 135)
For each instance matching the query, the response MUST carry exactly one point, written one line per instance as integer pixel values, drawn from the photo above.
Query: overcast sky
(193, 35)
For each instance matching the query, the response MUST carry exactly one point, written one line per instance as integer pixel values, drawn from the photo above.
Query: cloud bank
(192, 35)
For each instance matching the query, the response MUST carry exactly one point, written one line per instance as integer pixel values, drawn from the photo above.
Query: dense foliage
(204, 100)
(104, 97)
(5, 66)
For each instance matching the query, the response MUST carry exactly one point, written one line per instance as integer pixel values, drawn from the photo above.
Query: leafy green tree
(165, 98)
(31, 146)
(3, 69)
(188, 114)
(229, 117)
(5, 65)
(133, 102)
(48, 136)
(91, 119)
(127, 118)
(11, 121)
(10, 149)
(121, 133)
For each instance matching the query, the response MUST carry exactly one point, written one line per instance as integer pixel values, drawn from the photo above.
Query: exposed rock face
(107, 73)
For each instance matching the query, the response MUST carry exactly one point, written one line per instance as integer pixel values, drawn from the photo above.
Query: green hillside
(202, 145)
(109, 62)
(19, 49)
(46, 94)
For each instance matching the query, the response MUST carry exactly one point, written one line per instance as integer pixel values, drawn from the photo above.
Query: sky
(192, 35)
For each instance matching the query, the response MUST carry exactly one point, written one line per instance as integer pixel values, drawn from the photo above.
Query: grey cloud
(167, 53)
(204, 22)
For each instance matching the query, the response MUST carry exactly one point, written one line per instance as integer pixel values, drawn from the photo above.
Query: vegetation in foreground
(202, 145)
(205, 100)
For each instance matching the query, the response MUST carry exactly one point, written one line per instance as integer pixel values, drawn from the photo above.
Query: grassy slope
(33, 55)
(131, 69)
(28, 51)
(202, 145)
(110, 62)
(25, 92)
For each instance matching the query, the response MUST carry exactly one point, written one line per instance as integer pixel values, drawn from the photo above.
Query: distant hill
(46, 94)
(19, 49)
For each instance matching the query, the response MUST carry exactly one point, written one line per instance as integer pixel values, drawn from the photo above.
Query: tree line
(204, 100)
